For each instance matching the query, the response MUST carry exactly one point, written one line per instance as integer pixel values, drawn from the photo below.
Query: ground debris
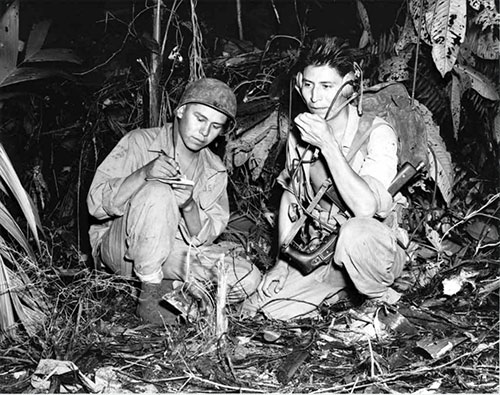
(422, 343)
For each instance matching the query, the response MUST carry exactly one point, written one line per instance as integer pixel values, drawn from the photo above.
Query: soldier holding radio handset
(330, 160)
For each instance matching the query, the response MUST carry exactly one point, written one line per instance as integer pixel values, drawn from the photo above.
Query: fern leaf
(447, 32)
(484, 42)
(488, 17)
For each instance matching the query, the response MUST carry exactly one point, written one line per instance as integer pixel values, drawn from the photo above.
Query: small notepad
(172, 180)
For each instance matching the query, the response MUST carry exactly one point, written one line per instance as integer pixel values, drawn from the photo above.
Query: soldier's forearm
(191, 214)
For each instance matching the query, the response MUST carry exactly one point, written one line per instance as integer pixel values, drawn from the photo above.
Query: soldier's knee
(154, 198)
(354, 231)
(245, 285)
(154, 190)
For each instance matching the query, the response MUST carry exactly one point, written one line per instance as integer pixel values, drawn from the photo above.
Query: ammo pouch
(306, 262)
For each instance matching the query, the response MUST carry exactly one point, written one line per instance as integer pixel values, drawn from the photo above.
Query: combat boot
(149, 307)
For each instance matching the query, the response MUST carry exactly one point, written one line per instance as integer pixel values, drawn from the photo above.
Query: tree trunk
(155, 71)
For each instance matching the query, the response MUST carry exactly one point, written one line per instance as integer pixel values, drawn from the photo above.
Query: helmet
(213, 93)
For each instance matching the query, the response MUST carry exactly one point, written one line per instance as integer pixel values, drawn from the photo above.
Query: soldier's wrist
(188, 205)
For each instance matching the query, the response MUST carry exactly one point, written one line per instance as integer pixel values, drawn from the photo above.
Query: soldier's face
(318, 87)
(199, 125)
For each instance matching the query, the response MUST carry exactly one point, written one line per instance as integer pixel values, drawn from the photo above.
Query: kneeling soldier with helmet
(161, 201)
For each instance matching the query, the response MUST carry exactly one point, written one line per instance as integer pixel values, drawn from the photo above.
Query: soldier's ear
(298, 82)
(180, 111)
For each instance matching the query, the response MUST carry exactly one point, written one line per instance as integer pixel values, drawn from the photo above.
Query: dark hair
(328, 51)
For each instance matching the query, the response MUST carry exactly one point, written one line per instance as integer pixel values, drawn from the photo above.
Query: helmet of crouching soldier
(213, 93)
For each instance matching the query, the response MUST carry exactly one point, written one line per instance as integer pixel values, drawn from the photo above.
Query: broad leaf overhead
(37, 38)
(447, 32)
(420, 16)
(480, 83)
(12, 72)
(9, 33)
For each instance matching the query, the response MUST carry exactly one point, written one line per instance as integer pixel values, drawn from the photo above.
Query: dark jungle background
(75, 76)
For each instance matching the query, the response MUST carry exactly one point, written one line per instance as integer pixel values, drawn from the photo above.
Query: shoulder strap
(365, 128)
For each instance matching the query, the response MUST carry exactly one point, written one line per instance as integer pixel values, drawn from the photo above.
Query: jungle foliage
(66, 99)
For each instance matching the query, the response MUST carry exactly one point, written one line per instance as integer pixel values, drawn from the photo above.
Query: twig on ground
(217, 385)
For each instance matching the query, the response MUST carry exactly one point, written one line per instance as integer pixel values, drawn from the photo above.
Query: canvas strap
(327, 187)
(364, 131)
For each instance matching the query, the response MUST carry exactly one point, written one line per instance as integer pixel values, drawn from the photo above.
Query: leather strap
(327, 186)
(298, 224)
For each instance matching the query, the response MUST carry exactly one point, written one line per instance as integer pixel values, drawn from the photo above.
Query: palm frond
(20, 301)
(13, 229)
(7, 318)
(8, 174)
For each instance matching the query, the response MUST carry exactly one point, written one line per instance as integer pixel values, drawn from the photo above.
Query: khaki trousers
(367, 256)
(146, 241)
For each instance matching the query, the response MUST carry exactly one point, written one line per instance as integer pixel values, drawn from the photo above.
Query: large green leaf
(456, 103)
(480, 83)
(440, 168)
(482, 34)
(9, 39)
(447, 32)
(365, 22)
(26, 74)
(440, 165)
(8, 174)
(36, 38)
(8, 222)
(54, 55)
(395, 68)
(420, 16)
(407, 37)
